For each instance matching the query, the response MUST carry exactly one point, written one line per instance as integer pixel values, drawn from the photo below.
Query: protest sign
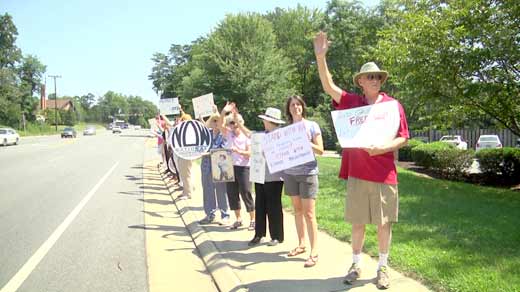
(372, 125)
(203, 105)
(287, 147)
(169, 106)
(222, 166)
(190, 139)
(257, 160)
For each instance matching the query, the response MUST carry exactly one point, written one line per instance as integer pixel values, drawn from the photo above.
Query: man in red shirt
(372, 196)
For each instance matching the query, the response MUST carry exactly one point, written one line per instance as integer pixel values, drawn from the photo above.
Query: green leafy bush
(444, 158)
(501, 165)
(405, 153)
(425, 154)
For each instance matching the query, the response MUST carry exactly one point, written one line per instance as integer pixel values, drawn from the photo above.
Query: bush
(405, 153)
(424, 154)
(444, 158)
(501, 165)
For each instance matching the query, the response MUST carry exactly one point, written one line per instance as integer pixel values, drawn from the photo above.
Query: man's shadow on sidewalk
(299, 285)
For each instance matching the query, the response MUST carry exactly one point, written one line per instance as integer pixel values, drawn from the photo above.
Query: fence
(507, 138)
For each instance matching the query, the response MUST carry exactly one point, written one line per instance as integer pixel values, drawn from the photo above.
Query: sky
(102, 45)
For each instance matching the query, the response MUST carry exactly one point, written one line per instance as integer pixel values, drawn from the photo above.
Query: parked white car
(488, 141)
(456, 141)
(8, 136)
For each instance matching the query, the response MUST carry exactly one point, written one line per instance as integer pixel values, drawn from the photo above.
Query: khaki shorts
(370, 202)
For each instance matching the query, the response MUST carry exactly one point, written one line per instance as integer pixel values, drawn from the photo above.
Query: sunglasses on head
(374, 76)
(232, 123)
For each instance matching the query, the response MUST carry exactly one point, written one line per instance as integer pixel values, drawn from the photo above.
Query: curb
(224, 277)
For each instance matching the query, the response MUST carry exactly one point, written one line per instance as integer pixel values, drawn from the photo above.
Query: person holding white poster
(301, 183)
(238, 140)
(372, 196)
(213, 194)
(268, 201)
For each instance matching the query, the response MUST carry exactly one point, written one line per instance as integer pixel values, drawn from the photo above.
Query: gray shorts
(305, 186)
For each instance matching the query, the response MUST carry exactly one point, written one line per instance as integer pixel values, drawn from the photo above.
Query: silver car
(89, 130)
(488, 141)
(8, 136)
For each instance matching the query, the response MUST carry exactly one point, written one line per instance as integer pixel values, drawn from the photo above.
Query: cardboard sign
(287, 147)
(222, 165)
(257, 160)
(190, 139)
(203, 105)
(371, 125)
(169, 106)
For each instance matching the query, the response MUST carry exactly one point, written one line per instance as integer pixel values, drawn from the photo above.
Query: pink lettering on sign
(357, 120)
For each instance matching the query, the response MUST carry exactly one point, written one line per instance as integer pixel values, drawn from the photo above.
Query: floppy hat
(368, 68)
(272, 115)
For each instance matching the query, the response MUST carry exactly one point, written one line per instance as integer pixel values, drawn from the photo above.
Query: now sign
(190, 139)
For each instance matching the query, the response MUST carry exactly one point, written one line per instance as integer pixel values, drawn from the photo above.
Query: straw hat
(369, 68)
(273, 115)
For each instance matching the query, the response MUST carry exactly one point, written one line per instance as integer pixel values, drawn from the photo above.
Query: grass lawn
(452, 236)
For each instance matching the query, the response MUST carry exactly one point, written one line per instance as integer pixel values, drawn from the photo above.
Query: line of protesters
(372, 196)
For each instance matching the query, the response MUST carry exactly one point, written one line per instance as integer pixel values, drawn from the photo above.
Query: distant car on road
(116, 130)
(89, 130)
(9, 136)
(68, 132)
(488, 141)
(137, 127)
(456, 141)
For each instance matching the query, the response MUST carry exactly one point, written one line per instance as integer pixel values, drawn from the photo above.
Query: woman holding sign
(372, 196)
(301, 183)
(213, 193)
(268, 201)
(238, 140)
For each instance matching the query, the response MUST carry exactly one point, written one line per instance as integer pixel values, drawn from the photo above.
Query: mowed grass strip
(452, 236)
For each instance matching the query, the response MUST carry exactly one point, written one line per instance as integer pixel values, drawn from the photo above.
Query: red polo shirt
(356, 162)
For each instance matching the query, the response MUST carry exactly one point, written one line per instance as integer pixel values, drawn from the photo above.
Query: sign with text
(203, 105)
(371, 125)
(190, 139)
(257, 160)
(287, 147)
(169, 106)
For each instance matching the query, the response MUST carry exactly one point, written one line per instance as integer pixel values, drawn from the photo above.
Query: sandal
(298, 250)
(311, 261)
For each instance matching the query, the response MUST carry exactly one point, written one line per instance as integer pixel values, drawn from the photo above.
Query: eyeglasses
(374, 76)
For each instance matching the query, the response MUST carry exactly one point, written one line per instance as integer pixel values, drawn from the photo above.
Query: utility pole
(55, 101)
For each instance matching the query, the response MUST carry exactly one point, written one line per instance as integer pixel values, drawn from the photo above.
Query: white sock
(383, 260)
(356, 258)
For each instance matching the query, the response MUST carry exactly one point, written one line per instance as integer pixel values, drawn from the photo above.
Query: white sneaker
(224, 221)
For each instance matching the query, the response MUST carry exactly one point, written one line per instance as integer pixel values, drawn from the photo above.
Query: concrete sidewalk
(237, 267)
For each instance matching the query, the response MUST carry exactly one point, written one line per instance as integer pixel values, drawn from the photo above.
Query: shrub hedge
(443, 158)
(405, 152)
(500, 164)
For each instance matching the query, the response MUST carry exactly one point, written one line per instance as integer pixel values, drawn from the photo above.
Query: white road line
(18, 279)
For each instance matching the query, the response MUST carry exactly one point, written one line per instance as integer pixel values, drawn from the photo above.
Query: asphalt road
(67, 207)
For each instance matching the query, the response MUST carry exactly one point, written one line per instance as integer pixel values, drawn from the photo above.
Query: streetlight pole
(55, 101)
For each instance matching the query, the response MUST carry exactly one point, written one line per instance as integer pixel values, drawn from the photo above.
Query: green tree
(10, 54)
(243, 64)
(294, 30)
(455, 60)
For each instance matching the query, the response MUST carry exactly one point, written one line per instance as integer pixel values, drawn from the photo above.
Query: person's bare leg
(298, 219)
(308, 210)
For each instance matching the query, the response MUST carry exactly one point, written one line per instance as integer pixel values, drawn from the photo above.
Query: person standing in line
(268, 200)
(213, 194)
(185, 169)
(301, 183)
(372, 196)
(238, 140)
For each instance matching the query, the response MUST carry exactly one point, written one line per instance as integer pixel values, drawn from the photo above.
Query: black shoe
(255, 241)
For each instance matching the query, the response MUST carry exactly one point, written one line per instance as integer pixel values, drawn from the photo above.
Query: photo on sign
(222, 165)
